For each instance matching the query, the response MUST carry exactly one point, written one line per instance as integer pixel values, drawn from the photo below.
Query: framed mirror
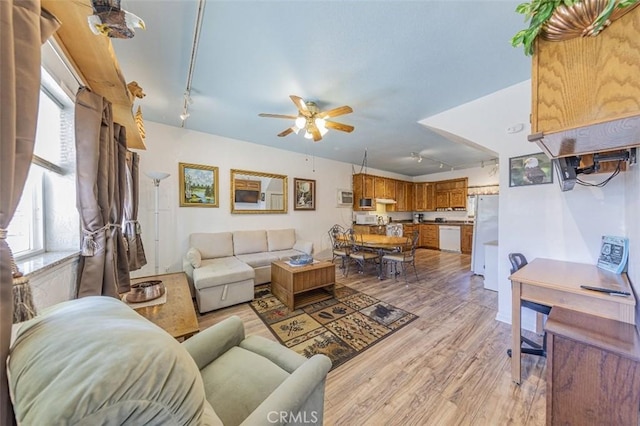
(258, 192)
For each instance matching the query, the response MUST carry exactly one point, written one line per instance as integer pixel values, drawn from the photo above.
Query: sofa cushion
(249, 242)
(303, 246)
(256, 260)
(281, 239)
(95, 361)
(212, 245)
(223, 270)
(240, 372)
(194, 257)
(286, 254)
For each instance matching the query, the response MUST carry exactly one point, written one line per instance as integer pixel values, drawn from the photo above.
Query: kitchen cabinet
(247, 185)
(408, 228)
(466, 238)
(363, 187)
(451, 194)
(404, 196)
(585, 91)
(424, 197)
(370, 229)
(429, 236)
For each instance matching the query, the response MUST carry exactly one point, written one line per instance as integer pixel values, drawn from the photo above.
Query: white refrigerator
(485, 229)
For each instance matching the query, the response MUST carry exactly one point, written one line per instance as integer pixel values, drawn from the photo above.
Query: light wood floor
(448, 367)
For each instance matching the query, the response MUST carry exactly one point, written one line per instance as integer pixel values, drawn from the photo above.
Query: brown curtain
(137, 258)
(117, 208)
(100, 170)
(23, 29)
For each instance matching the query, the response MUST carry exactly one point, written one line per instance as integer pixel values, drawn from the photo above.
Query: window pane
(25, 229)
(48, 145)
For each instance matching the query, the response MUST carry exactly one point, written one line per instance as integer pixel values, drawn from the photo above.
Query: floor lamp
(157, 177)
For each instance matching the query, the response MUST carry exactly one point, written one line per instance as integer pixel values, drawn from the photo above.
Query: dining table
(380, 243)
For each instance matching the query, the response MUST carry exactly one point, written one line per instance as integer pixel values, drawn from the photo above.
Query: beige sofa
(95, 361)
(223, 267)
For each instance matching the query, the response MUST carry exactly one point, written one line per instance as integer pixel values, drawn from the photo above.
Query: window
(46, 218)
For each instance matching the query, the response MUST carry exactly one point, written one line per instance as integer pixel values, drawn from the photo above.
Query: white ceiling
(394, 62)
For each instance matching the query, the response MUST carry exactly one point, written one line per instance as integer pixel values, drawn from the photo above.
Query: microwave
(366, 219)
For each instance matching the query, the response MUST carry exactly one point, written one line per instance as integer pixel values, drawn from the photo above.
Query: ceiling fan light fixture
(301, 122)
(308, 135)
(419, 159)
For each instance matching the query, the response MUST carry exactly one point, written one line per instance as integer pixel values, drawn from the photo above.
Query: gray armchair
(256, 381)
(95, 361)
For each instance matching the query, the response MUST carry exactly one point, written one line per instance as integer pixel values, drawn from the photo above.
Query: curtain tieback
(3, 234)
(89, 245)
(136, 224)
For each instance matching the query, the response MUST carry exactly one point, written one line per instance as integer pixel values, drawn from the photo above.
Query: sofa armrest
(303, 246)
(292, 394)
(212, 342)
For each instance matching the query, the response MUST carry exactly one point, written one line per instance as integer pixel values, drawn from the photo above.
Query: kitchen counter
(449, 222)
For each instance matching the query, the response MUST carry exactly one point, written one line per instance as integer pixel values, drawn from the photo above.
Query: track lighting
(441, 165)
(184, 115)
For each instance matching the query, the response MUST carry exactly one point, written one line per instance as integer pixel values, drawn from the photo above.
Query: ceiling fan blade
(301, 105)
(292, 117)
(345, 109)
(286, 132)
(316, 133)
(339, 126)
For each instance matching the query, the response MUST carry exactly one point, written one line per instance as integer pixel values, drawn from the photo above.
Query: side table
(177, 316)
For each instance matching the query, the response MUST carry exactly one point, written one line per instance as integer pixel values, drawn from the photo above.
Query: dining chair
(528, 346)
(340, 246)
(359, 252)
(405, 257)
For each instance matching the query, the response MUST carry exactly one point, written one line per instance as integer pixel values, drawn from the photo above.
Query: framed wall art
(198, 185)
(304, 194)
(532, 169)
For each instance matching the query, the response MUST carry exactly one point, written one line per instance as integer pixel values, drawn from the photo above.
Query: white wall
(632, 211)
(167, 146)
(539, 221)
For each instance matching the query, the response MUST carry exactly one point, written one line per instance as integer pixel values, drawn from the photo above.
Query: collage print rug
(341, 327)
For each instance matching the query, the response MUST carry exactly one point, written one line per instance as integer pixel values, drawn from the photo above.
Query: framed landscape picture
(304, 194)
(198, 185)
(532, 169)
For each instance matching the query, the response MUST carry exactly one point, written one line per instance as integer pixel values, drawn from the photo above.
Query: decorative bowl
(145, 291)
(301, 259)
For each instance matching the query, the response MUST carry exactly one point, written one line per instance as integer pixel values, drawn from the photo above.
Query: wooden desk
(557, 283)
(593, 370)
(177, 316)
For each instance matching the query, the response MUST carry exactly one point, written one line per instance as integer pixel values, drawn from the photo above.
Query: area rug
(341, 327)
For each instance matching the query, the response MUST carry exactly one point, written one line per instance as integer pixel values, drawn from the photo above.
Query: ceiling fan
(312, 120)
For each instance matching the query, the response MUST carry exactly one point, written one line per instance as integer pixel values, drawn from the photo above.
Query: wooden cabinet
(404, 196)
(424, 197)
(247, 185)
(429, 236)
(466, 238)
(593, 370)
(586, 91)
(363, 187)
(408, 228)
(451, 194)
(370, 229)
(380, 187)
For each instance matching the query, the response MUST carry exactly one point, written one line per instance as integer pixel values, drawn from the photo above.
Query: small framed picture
(532, 169)
(304, 194)
(198, 185)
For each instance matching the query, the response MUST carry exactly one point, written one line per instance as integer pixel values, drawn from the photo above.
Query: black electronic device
(567, 167)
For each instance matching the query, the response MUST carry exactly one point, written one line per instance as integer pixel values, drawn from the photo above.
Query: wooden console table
(298, 286)
(557, 283)
(593, 370)
(177, 316)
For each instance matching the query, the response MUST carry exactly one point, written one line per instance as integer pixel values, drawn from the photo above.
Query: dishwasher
(450, 238)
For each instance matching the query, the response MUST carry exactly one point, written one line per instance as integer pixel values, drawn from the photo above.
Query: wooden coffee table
(177, 316)
(298, 286)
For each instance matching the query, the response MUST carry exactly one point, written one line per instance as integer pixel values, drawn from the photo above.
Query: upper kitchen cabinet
(404, 196)
(363, 187)
(384, 187)
(451, 194)
(586, 91)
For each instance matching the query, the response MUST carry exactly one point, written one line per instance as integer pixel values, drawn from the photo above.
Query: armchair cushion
(94, 361)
